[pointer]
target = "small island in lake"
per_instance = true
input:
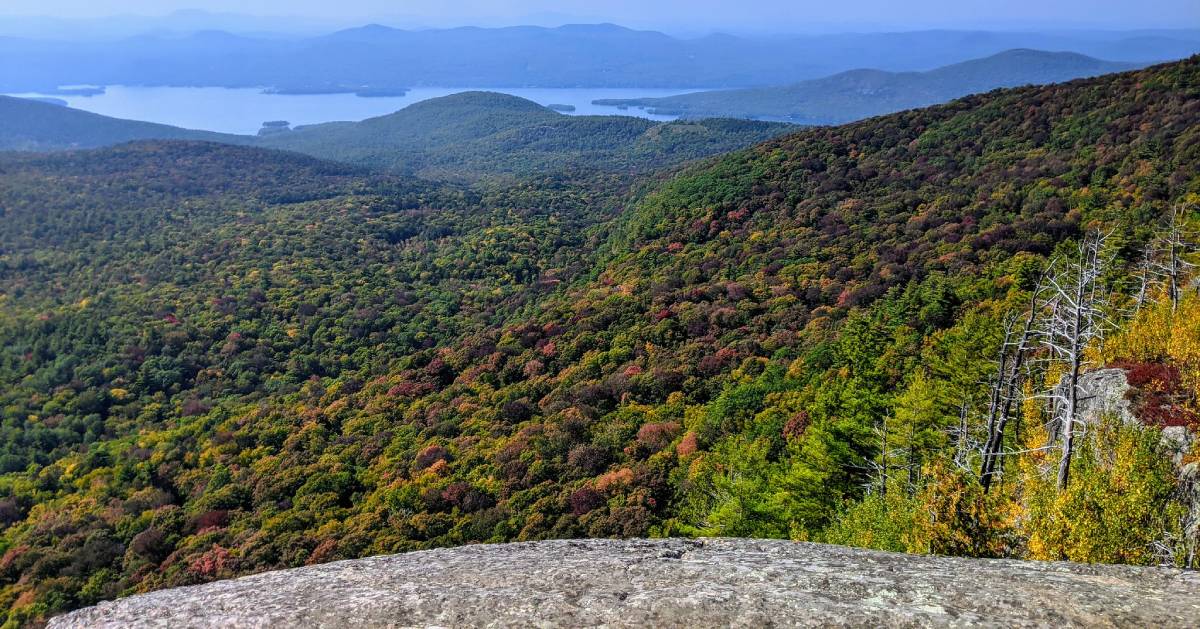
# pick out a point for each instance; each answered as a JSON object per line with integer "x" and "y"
{"x": 272, "y": 127}
{"x": 566, "y": 109}
{"x": 79, "y": 90}
{"x": 381, "y": 92}
{"x": 308, "y": 90}
{"x": 362, "y": 91}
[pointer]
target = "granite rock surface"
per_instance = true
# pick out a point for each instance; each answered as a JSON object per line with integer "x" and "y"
{"x": 668, "y": 583}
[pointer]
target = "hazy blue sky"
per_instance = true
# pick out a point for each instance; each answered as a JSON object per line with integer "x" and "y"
{"x": 714, "y": 14}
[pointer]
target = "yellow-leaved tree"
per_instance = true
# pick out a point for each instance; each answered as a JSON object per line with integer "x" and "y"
{"x": 1120, "y": 507}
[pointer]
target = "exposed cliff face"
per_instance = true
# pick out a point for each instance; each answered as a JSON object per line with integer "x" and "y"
{"x": 668, "y": 583}
{"x": 1105, "y": 392}
{"x": 1108, "y": 393}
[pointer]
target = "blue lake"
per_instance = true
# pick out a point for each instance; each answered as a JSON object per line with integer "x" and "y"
{"x": 244, "y": 110}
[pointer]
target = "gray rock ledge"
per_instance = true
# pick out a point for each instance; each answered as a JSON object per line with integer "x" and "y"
{"x": 668, "y": 583}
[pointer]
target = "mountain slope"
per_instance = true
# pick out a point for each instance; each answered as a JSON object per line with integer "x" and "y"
{"x": 29, "y": 125}
{"x": 477, "y": 133}
{"x": 229, "y": 383}
{"x": 860, "y": 94}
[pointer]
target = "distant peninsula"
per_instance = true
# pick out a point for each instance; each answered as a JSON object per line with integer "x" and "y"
{"x": 322, "y": 90}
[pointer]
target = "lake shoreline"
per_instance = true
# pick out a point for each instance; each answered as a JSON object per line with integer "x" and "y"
{"x": 243, "y": 110}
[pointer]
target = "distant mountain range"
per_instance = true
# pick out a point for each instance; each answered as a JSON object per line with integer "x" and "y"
{"x": 859, "y": 94}
{"x": 593, "y": 55}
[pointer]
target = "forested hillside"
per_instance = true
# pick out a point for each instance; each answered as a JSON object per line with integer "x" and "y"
{"x": 241, "y": 360}
{"x": 474, "y": 134}
{"x": 858, "y": 94}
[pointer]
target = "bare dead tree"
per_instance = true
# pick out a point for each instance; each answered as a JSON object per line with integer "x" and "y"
{"x": 1006, "y": 386}
{"x": 895, "y": 460}
{"x": 961, "y": 438}
{"x": 879, "y": 467}
{"x": 1146, "y": 278}
{"x": 1165, "y": 257}
{"x": 964, "y": 438}
{"x": 892, "y": 460}
{"x": 1073, "y": 318}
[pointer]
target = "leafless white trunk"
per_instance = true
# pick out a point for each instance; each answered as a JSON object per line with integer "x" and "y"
{"x": 1165, "y": 258}
{"x": 1073, "y": 318}
{"x": 1007, "y": 383}
{"x": 962, "y": 437}
{"x": 1146, "y": 278}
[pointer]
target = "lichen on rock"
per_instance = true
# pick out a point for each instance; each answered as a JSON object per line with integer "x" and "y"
{"x": 668, "y": 583}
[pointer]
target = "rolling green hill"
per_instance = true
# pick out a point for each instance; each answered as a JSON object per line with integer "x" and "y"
{"x": 282, "y": 361}
{"x": 859, "y": 94}
{"x": 30, "y": 125}
{"x": 478, "y": 133}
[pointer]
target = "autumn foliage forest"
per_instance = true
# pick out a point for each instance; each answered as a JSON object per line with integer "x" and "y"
{"x": 219, "y": 360}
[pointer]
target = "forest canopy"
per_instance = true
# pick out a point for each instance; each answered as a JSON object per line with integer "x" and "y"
{"x": 219, "y": 360}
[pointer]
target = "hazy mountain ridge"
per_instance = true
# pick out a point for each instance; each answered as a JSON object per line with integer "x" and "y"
{"x": 602, "y": 55}
{"x": 858, "y": 94}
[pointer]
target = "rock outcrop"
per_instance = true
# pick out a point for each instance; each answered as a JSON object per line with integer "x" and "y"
{"x": 1108, "y": 393}
{"x": 1105, "y": 392}
{"x": 668, "y": 583}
